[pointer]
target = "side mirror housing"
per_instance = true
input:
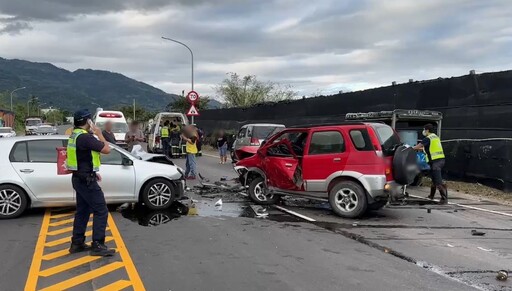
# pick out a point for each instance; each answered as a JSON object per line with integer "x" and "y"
{"x": 127, "y": 162}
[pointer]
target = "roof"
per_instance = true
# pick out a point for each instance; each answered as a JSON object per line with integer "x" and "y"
{"x": 34, "y": 137}
{"x": 328, "y": 124}
{"x": 264, "y": 124}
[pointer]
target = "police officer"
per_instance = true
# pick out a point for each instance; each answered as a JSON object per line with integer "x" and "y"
{"x": 164, "y": 136}
{"x": 431, "y": 144}
{"x": 83, "y": 158}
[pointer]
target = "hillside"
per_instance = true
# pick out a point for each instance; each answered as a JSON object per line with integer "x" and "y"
{"x": 79, "y": 89}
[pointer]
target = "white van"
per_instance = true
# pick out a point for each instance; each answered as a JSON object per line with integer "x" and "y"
{"x": 154, "y": 144}
{"x": 119, "y": 125}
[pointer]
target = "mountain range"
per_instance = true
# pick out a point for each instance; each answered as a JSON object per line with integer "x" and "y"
{"x": 67, "y": 90}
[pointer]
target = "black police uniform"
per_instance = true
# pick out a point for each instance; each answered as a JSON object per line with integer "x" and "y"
{"x": 89, "y": 197}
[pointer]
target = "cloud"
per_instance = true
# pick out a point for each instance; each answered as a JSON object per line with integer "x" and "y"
{"x": 317, "y": 46}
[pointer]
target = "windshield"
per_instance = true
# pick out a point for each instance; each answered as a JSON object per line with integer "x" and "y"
{"x": 5, "y": 130}
{"x": 33, "y": 122}
{"x": 124, "y": 152}
{"x": 387, "y": 137}
{"x": 116, "y": 127}
{"x": 262, "y": 132}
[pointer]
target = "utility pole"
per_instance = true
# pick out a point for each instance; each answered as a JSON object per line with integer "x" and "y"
{"x": 15, "y": 91}
{"x": 133, "y": 109}
{"x": 192, "y": 56}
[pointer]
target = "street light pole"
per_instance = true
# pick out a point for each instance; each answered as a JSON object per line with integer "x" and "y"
{"x": 21, "y": 88}
{"x": 192, "y": 56}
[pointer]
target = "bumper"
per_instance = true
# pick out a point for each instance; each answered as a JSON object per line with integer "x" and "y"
{"x": 180, "y": 187}
{"x": 386, "y": 190}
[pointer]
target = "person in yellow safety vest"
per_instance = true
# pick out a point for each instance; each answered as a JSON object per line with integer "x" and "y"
{"x": 83, "y": 159}
{"x": 190, "y": 137}
{"x": 431, "y": 144}
{"x": 164, "y": 137}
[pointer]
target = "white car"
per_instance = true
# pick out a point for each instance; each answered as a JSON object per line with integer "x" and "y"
{"x": 46, "y": 129}
{"x": 29, "y": 177}
{"x": 7, "y": 132}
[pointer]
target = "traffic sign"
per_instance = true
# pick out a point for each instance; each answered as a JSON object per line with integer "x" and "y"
{"x": 193, "y": 111}
{"x": 192, "y": 97}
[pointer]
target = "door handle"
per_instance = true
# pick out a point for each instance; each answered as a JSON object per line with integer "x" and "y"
{"x": 288, "y": 165}
{"x": 336, "y": 160}
{"x": 26, "y": 170}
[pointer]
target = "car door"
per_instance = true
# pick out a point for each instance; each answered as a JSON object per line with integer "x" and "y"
{"x": 325, "y": 157}
{"x": 281, "y": 164}
{"x": 35, "y": 162}
{"x": 118, "y": 180}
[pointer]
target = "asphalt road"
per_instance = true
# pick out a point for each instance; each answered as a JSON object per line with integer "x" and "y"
{"x": 230, "y": 248}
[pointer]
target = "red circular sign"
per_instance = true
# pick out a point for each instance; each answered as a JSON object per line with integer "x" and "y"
{"x": 192, "y": 97}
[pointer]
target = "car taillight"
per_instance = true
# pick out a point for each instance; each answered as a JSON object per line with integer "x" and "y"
{"x": 389, "y": 175}
{"x": 255, "y": 142}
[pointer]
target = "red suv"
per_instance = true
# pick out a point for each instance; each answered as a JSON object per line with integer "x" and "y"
{"x": 353, "y": 165}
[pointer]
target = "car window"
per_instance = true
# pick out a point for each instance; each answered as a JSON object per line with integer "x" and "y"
{"x": 114, "y": 158}
{"x": 387, "y": 137}
{"x": 361, "y": 140}
{"x": 241, "y": 133}
{"x": 262, "y": 132}
{"x": 43, "y": 151}
{"x": 326, "y": 142}
{"x": 19, "y": 153}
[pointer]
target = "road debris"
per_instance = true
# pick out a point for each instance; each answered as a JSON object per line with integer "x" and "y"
{"x": 219, "y": 202}
{"x": 477, "y": 233}
{"x": 502, "y": 275}
{"x": 485, "y": 250}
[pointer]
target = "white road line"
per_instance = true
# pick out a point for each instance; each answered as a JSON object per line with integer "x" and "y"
{"x": 211, "y": 156}
{"x": 295, "y": 213}
{"x": 470, "y": 207}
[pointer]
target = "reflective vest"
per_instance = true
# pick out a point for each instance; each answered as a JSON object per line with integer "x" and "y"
{"x": 72, "y": 161}
{"x": 435, "y": 148}
{"x": 164, "y": 132}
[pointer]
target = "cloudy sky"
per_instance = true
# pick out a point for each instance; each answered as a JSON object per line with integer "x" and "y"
{"x": 317, "y": 46}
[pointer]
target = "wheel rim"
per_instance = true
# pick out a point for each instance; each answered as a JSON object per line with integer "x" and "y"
{"x": 159, "y": 194}
{"x": 260, "y": 192}
{"x": 10, "y": 202}
{"x": 346, "y": 200}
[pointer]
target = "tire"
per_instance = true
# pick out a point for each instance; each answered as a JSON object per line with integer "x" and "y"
{"x": 405, "y": 165}
{"x": 158, "y": 194}
{"x": 13, "y": 201}
{"x": 257, "y": 193}
{"x": 348, "y": 199}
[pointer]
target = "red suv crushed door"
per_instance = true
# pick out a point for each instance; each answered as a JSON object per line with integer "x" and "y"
{"x": 282, "y": 171}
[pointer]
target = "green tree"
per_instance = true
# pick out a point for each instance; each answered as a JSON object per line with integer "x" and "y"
{"x": 248, "y": 91}
{"x": 181, "y": 104}
{"x": 54, "y": 116}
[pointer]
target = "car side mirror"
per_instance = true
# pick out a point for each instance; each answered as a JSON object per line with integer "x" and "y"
{"x": 127, "y": 162}
{"x": 263, "y": 143}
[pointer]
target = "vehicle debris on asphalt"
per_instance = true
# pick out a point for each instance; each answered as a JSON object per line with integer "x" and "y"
{"x": 477, "y": 233}
{"x": 502, "y": 275}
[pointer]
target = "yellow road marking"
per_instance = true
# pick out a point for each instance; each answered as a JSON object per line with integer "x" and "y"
{"x": 57, "y": 216}
{"x": 119, "y": 285}
{"x": 65, "y": 252}
{"x": 62, "y": 222}
{"x": 66, "y": 266}
{"x": 85, "y": 277}
{"x": 38, "y": 253}
{"x": 64, "y": 230}
{"x": 64, "y": 240}
{"x": 130, "y": 267}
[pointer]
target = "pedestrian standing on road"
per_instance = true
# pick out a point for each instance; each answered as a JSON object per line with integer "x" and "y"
{"x": 83, "y": 159}
{"x": 190, "y": 137}
{"x": 431, "y": 144}
{"x": 108, "y": 134}
{"x": 164, "y": 137}
{"x": 134, "y": 136}
{"x": 222, "y": 145}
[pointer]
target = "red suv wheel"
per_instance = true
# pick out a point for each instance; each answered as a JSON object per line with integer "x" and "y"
{"x": 348, "y": 199}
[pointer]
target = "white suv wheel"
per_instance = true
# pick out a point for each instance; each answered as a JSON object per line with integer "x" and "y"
{"x": 346, "y": 199}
